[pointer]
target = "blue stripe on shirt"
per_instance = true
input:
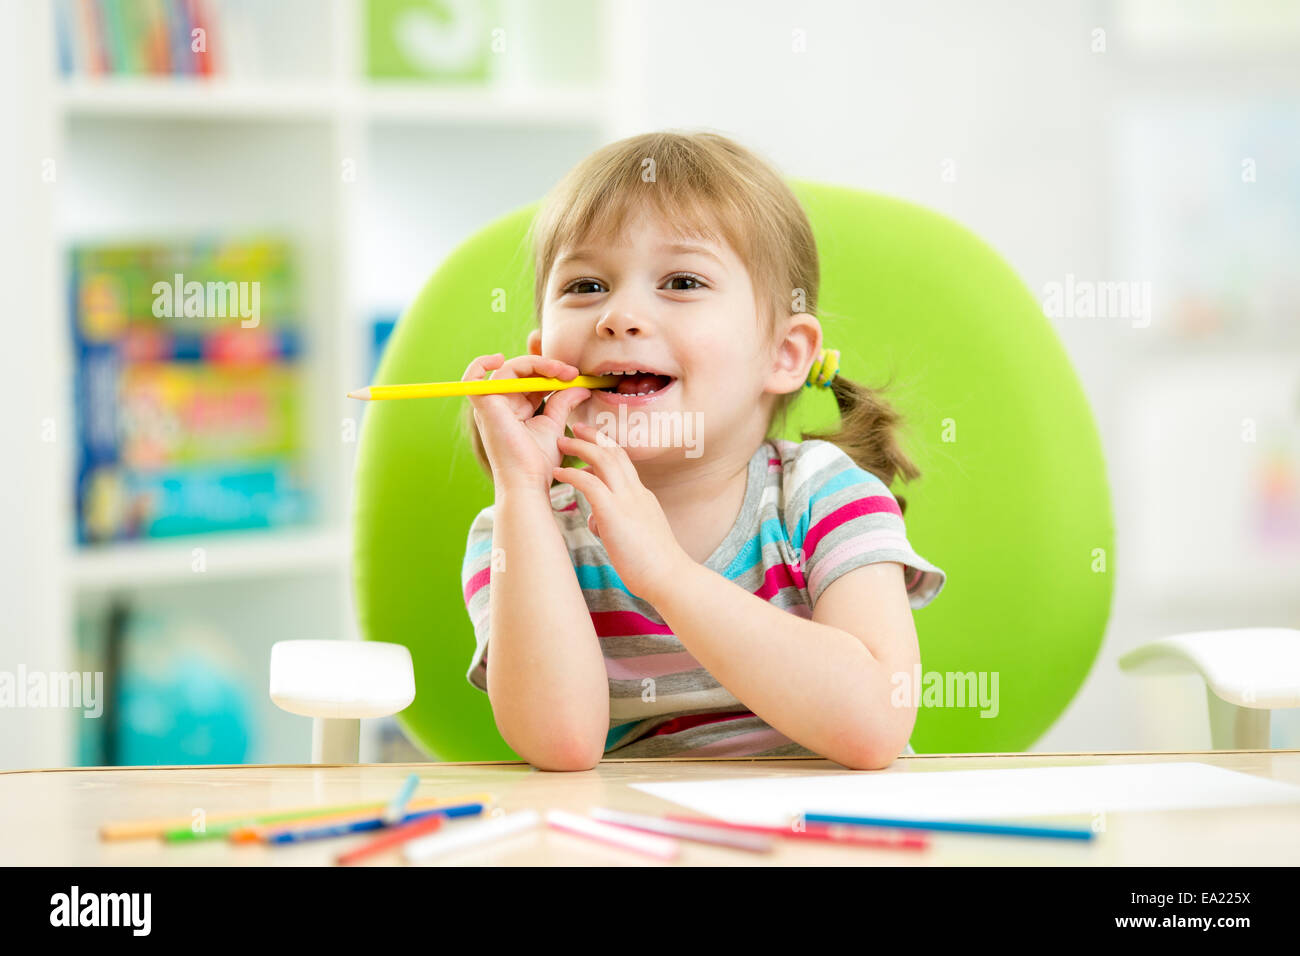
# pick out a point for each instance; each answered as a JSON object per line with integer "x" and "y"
{"x": 617, "y": 733}
{"x": 478, "y": 547}
{"x": 597, "y": 577}
{"x": 847, "y": 478}
{"x": 769, "y": 532}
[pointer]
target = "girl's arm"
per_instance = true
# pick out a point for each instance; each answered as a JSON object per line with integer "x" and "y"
{"x": 827, "y": 683}
{"x": 546, "y": 677}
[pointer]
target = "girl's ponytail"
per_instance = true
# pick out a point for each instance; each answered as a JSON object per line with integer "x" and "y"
{"x": 868, "y": 433}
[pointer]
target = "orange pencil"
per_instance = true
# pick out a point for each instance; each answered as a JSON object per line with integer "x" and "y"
{"x": 395, "y": 836}
{"x": 258, "y": 832}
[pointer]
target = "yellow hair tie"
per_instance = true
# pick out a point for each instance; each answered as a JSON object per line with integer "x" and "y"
{"x": 824, "y": 370}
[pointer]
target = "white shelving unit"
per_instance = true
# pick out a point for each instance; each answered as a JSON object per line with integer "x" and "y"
{"x": 372, "y": 183}
{"x": 1177, "y": 403}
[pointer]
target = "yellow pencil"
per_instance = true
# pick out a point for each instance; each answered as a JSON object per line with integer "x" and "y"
{"x": 140, "y": 829}
{"x": 257, "y": 832}
{"x": 487, "y": 386}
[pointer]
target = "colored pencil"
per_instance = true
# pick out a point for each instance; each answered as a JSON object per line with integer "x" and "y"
{"x": 955, "y": 826}
{"x": 284, "y": 818}
{"x": 485, "y": 386}
{"x": 397, "y": 809}
{"x": 700, "y": 833}
{"x": 665, "y": 848}
{"x": 470, "y": 834}
{"x": 306, "y": 834}
{"x": 824, "y": 832}
{"x": 392, "y": 839}
{"x": 157, "y": 827}
{"x": 257, "y": 832}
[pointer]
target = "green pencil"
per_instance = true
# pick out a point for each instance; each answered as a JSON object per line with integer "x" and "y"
{"x": 222, "y": 829}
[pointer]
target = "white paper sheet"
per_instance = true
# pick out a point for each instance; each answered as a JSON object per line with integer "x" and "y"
{"x": 977, "y": 794}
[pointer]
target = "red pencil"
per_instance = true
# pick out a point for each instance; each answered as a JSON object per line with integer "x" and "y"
{"x": 394, "y": 836}
{"x": 819, "y": 831}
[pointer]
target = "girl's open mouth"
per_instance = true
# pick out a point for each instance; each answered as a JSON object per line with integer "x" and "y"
{"x": 636, "y": 388}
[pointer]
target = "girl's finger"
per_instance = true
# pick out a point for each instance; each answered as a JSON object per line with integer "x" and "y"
{"x": 598, "y": 457}
{"x": 523, "y": 366}
{"x": 486, "y": 405}
{"x": 506, "y": 409}
{"x": 618, "y": 454}
{"x": 522, "y": 405}
{"x": 478, "y": 368}
{"x": 562, "y": 403}
{"x": 563, "y": 371}
{"x": 592, "y": 488}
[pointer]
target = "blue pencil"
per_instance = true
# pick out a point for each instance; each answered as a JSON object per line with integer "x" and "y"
{"x": 397, "y": 809}
{"x": 370, "y": 823}
{"x": 999, "y": 829}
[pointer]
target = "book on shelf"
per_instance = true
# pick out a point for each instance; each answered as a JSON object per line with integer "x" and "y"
{"x": 381, "y": 330}
{"x": 169, "y": 687}
{"x": 189, "y": 389}
{"x": 152, "y": 37}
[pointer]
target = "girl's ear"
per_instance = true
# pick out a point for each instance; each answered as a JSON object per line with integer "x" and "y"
{"x": 796, "y": 351}
{"x": 535, "y": 342}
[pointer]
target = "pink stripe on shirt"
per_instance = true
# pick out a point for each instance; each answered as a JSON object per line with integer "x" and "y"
{"x": 650, "y": 665}
{"x": 476, "y": 581}
{"x": 624, "y": 623}
{"x": 887, "y": 539}
{"x": 775, "y": 578}
{"x": 876, "y": 504}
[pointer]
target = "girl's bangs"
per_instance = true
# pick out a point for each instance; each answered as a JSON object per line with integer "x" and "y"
{"x": 606, "y": 215}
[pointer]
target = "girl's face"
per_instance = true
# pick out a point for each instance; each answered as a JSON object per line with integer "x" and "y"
{"x": 681, "y": 307}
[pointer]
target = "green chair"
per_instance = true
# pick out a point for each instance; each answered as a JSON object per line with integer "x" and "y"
{"x": 1013, "y": 501}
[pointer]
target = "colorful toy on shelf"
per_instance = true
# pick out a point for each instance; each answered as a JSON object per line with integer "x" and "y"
{"x": 436, "y": 41}
{"x": 189, "y": 385}
{"x": 175, "y": 691}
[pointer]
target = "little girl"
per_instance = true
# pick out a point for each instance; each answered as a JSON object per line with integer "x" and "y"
{"x": 744, "y": 595}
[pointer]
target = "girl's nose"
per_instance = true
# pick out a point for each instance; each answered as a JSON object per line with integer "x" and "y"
{"x": 620, "y": 322}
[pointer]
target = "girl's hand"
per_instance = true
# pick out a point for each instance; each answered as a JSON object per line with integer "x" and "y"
{"x": 625, "y": 515}
{"x": 519, "y": 443}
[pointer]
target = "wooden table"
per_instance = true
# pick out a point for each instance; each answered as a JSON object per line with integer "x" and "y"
{"x": 52, "y": 817}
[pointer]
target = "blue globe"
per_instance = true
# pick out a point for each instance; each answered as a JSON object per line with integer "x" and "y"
{"x": 181, "y": 698}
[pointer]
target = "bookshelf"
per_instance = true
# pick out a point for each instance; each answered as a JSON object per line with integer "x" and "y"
{"x": 1211, "y": 417}
{"x": 373, "y": 181}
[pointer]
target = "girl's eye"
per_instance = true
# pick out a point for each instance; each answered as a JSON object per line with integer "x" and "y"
{"x": 576, "y": 285}
{"x": 573, "y": 286}
{"x": 687, "y": 277}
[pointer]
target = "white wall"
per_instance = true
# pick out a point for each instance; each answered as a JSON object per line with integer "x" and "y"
{"x": 31, "y": 608}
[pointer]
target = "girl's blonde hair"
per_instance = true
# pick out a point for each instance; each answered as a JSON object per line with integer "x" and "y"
{"x": 706, "y": 184}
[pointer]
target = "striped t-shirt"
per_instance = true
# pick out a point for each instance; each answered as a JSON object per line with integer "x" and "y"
{"x": 804, "y": 500}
